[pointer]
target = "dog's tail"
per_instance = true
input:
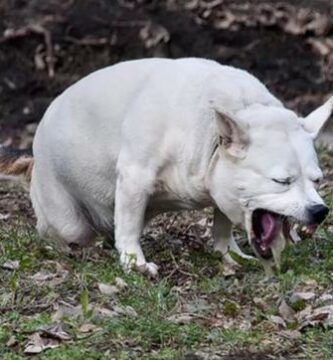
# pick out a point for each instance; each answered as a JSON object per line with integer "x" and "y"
{"x": 16, "y": 162}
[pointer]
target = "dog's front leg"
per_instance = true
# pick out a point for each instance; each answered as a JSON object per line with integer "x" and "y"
{"x": 130, "y": 205}
{"x": 223, "y": 238}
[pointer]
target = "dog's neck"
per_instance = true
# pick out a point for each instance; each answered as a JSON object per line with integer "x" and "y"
{"x": 227, "y": 202}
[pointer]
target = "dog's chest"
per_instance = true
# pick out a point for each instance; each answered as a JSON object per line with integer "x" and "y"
{"x": 175, "y": 192}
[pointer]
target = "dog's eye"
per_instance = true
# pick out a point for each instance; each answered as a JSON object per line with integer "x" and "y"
{"x": 286, "y": 181}
{"x": 317, "y": 181}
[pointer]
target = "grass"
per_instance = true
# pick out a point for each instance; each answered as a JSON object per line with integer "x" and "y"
{"x": 191, "y": 312}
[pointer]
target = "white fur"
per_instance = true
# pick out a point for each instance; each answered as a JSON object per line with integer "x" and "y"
{"x": 135, "y": 139}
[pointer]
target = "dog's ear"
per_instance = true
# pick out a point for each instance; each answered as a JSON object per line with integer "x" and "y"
{"x": 232, "y": 136}
{"x": 314, "y": 122}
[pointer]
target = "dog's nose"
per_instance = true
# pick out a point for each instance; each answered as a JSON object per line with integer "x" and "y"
{"x": 317, "y": 213}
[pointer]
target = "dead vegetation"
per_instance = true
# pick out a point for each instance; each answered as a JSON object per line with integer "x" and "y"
{"x": 58, "y": 307}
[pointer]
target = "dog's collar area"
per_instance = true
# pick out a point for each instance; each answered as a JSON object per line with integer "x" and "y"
{"x": 216, "y": 146}
{"x": 224, "y": 141}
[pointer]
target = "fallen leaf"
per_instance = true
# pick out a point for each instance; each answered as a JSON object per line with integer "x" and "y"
{"x": 11, "y": 265}
{"x": 320, "y": 46}
{"x": 300, "y": 316}
{"x": 4, "y": 216}
{"x": 125, "y": 310}
{"x": 305, "y": 296}
{"x": 320, "y": 316}
{"x": 181, "y": 318}
{"x": 261, "y": 304}
{"x": 41, "y": 276}
{"x": 66, "y": 310}
{"x": 311, "y": 283}
{"x": 37, "y": 344}
{"x": 278, "y": 321}
{"x": 116, "y": 311}
{"x": 12, "y": 341}
{"x": 245, "y": 325}
{"x": 229, "y": 269}
{"x": 290, "y": 334}
{"x": 55, "y": 331}
{"x": 106, "y": 289}
{"x": 104, "y": 312}
{"x": 86, "y": 328}
{"x": 286, "y": 312}
{"x": 52, "y": 278}
{"x": 325, "y": 298}
{"x": 153, "y": 34}
{"x": 120, "y": 283}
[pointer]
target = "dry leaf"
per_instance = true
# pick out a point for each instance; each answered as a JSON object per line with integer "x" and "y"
{"x": 41, "y": 276}
{"x": 290, "y": 334}
{"x": 225, "y": 21}
{"x": 120, "y": 283}
{"x": 104, "y": 312}
{"x": 181, "y": 318}
{"x": 11, "y": 265}
{"x": 300, "y": 316}
{"x": 86, "y": 328}
{"x": 67, "y": 310}
{"x": 106, "y": 289}
{"x": 320, "y": 46}
{"x": 153, "y": 34}
{"x": 125, "y": 310}
{"x": 53, "y": 278}
{"x": 116, "y": 311}
{"x": 12, "y": 341}
{"x": 229, "y": 269}
{"x": 286, "y": 312}
{"x": 261, "y": 304}
{"x": 278, "y": 321}
{"x": 38, "y": 344}
{"x": 55, "y": 331}
{"x": 325, "y": 298}
{"x": 305, "y": 296}
{"x": 320, "y": 316}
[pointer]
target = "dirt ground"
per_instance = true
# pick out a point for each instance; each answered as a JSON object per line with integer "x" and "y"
{"x": 46, "y": 45}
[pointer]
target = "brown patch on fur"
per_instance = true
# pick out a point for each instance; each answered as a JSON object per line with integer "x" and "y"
{"x": 16, "y": 162}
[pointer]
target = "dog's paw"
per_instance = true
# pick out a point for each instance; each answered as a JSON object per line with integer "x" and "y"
{"x": 149, "y": 268}
{"x": 129, "y": 262}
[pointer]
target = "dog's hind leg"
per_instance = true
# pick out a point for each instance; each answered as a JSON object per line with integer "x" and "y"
{"x": 223, "y": 238}
{"x": 59, "y": 217}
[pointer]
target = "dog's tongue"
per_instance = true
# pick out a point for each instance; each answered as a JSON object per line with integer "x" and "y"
{"x": 268, "y": 223}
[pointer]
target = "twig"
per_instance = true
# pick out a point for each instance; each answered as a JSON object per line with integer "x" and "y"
{"x": 88, "y": 41}
{"x": 11, "y": 34}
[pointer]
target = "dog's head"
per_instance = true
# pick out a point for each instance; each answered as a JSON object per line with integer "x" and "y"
{"x": 265, "y": 172}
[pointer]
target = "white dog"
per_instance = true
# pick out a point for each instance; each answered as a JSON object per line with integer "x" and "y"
{"x": 148, "y": 136}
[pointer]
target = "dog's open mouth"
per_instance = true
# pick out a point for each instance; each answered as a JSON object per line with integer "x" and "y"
{"x": 266, "y": 225}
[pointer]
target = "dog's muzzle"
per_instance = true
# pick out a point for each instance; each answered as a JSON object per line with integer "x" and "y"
{"x": 266, "y": 226}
